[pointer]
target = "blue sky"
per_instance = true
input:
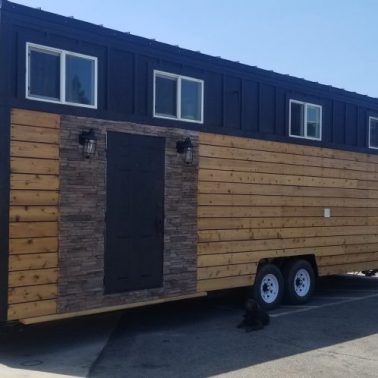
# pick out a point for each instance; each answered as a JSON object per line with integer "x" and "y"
{"x": 332, "y": 42}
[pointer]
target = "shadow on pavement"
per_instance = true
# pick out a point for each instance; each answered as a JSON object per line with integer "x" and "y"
{"x": 66, "y": 348}
{"x": 196, "y": 338}
{"x": 200, "y": 339}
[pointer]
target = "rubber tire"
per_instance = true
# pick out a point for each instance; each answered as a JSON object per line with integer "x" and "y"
{"x": 264, "y": 271}
{"x": 289, "y": 272}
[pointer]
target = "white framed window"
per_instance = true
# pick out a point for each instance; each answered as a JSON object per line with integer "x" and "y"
{"x": 178, "y": 97}
{"x": 59, "y": 76}
{"x": 305, "y": 120}
{"x": 373, "y": 132}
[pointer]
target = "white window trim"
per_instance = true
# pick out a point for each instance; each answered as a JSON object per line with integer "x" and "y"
{"x": 62, "y": 54}
{"x": 370, "y": 119}
{"x": 179, "y": 78}
{"x": 305, "y": 120}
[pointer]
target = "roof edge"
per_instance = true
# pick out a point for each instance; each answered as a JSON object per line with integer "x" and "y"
{"x": 147, "y": 42}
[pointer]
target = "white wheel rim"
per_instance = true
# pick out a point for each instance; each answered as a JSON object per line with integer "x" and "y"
{"x": 302, "y": 282}
{"x": 269, "y": 288}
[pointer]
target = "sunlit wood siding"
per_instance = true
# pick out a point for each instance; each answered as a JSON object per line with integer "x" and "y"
{"x": 33, "y": 227}
{"x": 262, "y": 199}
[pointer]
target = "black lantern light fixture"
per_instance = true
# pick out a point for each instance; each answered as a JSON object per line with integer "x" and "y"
{"x": 88, "y": 140}
{"x": 186, "y": 149}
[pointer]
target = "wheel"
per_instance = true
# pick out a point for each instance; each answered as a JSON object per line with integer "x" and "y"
{"x": 268, "y": 287}
{"x": 299, "y": 280}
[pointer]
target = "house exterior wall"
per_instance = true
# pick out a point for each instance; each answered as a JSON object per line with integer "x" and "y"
{"x": 243, "y": 200}
{"x": 82, "y": 205}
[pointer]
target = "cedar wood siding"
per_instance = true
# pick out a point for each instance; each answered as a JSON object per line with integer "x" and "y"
{"x": 260, "y": 199}
{"x": 33, "y": 214}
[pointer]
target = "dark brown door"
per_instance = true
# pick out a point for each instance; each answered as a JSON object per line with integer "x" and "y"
{"x": 135, "y": 212}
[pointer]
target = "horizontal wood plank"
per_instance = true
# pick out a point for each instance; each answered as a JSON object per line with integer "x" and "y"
{"x": 32, "y": 277}
{"x": 267, "y": 212}
{"x": 33, "y": 229}
{"x": 283, "y": 233}
{"x": 33, "y": 245}
{"x": 209, "y": 187}
{"x": 32, "y": 309}
{"x": 33, "y": 261}
{"x": 287, "y": 201}
{"x": 33, "y": 118}
{"x": 34, "y": 182}
{"x": 34, "y": 134}
{"x": 225, "y": 283}
{"x": 34, "y": 150}
{"x": 283, "y": 222}
{"x": 32, "y": 293}
{"x": 37, "y": 166}
{"x": 272, "y": 179}
{"x": 34, "y": 197}
{"x": 33, "y": 213}
{"x": 226, "y": 271}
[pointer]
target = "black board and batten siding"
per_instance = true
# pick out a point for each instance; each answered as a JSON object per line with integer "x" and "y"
{"x": 239, "y": 100}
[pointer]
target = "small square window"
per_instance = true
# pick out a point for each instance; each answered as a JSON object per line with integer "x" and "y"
{"x": 178, "y": 97}
{"x": 373, "y": 132}
{"x": 60, "y": 76}
{"x": 305, "y": 120}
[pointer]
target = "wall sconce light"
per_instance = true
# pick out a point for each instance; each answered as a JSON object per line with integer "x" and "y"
{"x": 88, "y": 140}
{"x": 186, "y": 148}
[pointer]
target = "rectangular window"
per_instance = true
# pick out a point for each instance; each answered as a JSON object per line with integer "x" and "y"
{"x": 373, "y": 132}
{"x": 44, "y": 79}
{"x": 305, "y": 120}
{"x": 61, "y": 76}
{"x": 166, "y": 96}
{"x": 178, "y": 97}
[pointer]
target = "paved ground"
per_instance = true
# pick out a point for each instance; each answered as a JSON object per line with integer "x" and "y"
{"x": 62, "y": 349}
{"x": 335, "y": 335}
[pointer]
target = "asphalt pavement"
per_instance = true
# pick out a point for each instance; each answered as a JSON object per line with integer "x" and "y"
{"x": 334, "y": 335}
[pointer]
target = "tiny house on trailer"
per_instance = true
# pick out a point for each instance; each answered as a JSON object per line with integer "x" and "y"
{"x": 133, "y": 172}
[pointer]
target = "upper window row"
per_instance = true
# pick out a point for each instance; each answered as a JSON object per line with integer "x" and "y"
{"x": 65, "y": 77}
{"x": 60, "y": 76}
{"x": 305, "y": 121}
